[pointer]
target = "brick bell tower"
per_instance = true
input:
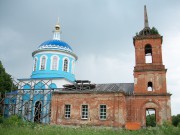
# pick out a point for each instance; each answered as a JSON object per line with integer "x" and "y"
{"x": 149, "y": 71}
{"x": 150, "y": 93}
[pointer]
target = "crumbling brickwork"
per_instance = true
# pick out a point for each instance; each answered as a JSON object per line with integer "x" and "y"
{"x": 115, "y": 114}
{"x": 139, "y": 103}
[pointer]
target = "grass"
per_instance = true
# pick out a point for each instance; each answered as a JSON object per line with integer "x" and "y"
{"x": 15, "y": 126}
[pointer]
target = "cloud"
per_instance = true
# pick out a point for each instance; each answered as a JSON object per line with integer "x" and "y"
{"x": 171, "y": 59}
{"x": 100, "y": 33}
{"x": 105, "y": 68}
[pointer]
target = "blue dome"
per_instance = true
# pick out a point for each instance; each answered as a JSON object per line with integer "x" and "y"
{"x": 55, "y": 45}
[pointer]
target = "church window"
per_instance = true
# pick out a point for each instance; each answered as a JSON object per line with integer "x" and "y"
{"x": 67, "y": 111}
{"x": 84, "y": 112}
{"x": 43, "y": 63}
{"x": 148, "y": 53}
{"x": 150, "y": 86}
{"x": 54, "y": 65}
{"x": 26, "y": 108}
{"x": 102, "y": 112}
{"x": 35, "y": 64}
{"x": 72, "y": 69}
{"x": 65, "y": 66}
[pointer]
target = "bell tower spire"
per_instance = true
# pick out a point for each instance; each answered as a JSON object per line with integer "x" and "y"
{"x": 146, "y": 24}
{"x": 56, "y": 35}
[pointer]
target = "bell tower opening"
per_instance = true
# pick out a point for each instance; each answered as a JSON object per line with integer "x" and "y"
{"x": 148, "y": 53}
{"x": 150, "y": 86}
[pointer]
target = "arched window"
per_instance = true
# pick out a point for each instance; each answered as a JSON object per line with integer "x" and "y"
{"x": 72, "y": 68}
{"x": 52, "y": 86}
{"x": 150, "y": 86}
{"x": 39, "y": 86}
{"x": 26, "y": 87}
{"x": 148, "y": 54}
{"x": 65, "y": 66}
{"x": 54, "y": 64}
{"x": 43, "y": 63}
{"x": 35, "y": 64}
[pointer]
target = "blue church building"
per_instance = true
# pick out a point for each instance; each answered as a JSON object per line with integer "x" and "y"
{"x": 53, "y": 66}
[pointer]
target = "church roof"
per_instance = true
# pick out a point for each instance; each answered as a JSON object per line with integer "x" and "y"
{"x": 55, "y": 45}
{"x": 115, "y": 87}
{"x": 126, "y": 88}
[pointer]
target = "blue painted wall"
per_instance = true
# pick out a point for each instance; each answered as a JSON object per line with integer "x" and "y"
{"x": 48, "y": 73}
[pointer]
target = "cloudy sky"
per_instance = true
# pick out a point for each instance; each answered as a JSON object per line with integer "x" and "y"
{"x": 99, "y": 31}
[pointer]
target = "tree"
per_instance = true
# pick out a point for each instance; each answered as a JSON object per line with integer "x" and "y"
{"x": 176, "y": 120}
{"x": 154, "y": 31}
{"x": 6, "y": 84}
{"x": 151, "y": 120}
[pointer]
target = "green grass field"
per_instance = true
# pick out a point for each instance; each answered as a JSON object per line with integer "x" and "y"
{"x": 16, "y": 126}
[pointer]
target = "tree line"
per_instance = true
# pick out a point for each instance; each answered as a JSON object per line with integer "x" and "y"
{"x": 6, "y": 83}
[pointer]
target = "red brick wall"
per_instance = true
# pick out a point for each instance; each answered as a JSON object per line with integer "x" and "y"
{"x": 156, "y": 50}
{"x": 154, "y": 72}
{"x": 115, "y": 102}
{"x": 137, "y": 105}
{"x": 158, "y": 78}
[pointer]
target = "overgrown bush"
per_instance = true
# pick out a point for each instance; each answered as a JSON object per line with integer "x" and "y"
{"x": 151, "y": 120}
{"x": 16, "y": 121}
{"x": 154, "y": 31}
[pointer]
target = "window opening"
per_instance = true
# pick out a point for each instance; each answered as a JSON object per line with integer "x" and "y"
{"x": 150, "y": 86}
{"x": 84, "y": 114}
{"x": 102, "y": 112}
{"x": 43, "y": 63}
{"x": 37, "y": 112}
{"x": 150, "y": 117}
{"x": 148, "y": 54}
{"x": 26, "y": 108}
{"x": 65, "y": 65}
{"x": 67, "y": 111}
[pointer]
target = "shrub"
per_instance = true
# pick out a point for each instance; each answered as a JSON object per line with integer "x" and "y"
{"x": 154, "y": 31}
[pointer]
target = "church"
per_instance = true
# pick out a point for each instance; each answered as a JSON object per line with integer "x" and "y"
{"x": 120, "y": 104}
{"x": 53, "y": 95}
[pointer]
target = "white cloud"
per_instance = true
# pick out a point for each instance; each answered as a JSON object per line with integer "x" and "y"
{"x": 171, "y": 53}
{"x": 105, "y": 68}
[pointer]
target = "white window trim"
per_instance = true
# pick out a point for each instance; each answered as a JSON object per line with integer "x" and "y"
{"x": 41, "y": 61}
{"x": 66, "y": 111}
{"x": 52, "y": 62}
{"x": 100, "y": 112}
{"x": 67, "y": 65}
{"x": 87, "y": 112}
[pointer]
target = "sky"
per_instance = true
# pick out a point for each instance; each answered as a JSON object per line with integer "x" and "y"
{"x": 99, "y": 31}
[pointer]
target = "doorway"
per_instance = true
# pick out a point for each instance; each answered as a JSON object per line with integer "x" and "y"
{"x": 150, "y": 117}
{"x": 37, "y": 112}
